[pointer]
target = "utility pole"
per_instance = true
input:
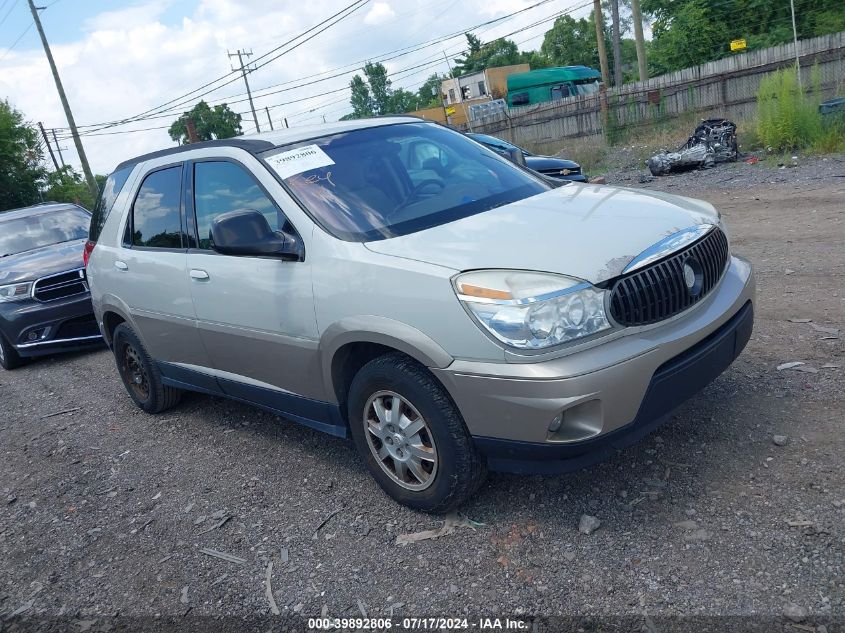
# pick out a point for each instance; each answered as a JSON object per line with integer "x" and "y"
{"x": 638, "y": 38}
{"x": 58, "y": 147}
{"x": 460, "y": 94}
{"x": 240, "y": 55}
{"x": 794, "y": 42}
{"x": 267, "y": 110}
{"x": 617, "y": 48}
{"x": 89, "y": 177}
{"x": 49, "y": 149}
{"x": 605, "y": 72}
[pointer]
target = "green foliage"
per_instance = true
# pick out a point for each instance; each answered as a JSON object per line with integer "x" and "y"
{"x": 788, "y": 117}
{"x": 697, "y": 31}
{"x": 68, "y": 185}
{"x": 21, "y": 172}
{"x": 500, "y": 52}
{"x": 210, "y": 123}
{"x": 373, "y": 94}
{"x": 572, "y": 42}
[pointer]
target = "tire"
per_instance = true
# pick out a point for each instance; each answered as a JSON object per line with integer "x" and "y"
{"x": 452, "y": 469}
{"x": 9, "y": 357}
{"x": 140, "y": 374}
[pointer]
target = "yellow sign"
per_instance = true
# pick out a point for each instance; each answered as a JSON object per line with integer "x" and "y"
{"x": 450, "y": 111}
{"x": 738, "y": 45}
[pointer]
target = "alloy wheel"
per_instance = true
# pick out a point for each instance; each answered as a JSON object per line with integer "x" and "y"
{"x": 400, "y": 440}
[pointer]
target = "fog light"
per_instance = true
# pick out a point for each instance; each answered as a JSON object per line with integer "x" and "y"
{"x": 32, "y": 335}
{"x": 554, "y": 425}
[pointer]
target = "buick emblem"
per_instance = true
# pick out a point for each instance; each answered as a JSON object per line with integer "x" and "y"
{"x": 693, "y": 276}
{"x": 689, "y": 276}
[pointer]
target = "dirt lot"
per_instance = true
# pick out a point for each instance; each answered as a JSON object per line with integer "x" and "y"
{"x": 105, "y": 510}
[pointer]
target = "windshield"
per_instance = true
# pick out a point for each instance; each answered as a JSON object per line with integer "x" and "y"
{"x": 42, "y": 229}
{"x": 382, "y": 182}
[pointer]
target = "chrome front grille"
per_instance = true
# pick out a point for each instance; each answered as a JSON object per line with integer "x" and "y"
{"x": 667, "y": 287}
{"x": 60, "y": 286}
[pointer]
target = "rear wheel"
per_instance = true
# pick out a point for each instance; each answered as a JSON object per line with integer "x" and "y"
{"x": 412, "y": 436}
{"x": 140, "y": 374}
{"x": 9, "y": 357}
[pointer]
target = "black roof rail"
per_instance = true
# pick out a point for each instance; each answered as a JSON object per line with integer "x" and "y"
{"x": 253, "y": 146}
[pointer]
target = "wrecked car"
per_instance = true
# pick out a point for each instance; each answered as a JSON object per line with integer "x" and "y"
{"x": 450, "y": 320}
{"x": 714, "y": 141}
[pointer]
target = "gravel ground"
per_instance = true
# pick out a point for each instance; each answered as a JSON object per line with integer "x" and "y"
{"x": 105, "y": 510}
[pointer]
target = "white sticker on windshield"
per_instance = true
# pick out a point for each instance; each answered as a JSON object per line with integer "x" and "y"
{"x": 299, "y": 160}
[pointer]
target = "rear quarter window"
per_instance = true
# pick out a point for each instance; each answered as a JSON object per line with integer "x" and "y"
{"x": 111, "y": 189}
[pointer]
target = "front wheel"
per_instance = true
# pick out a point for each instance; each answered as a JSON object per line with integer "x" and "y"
{"x": 412, "y": 436}
{"x": 9, "y": 357}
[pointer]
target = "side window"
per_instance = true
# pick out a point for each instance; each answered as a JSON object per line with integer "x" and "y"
{"x": 156, "y": 218}
{"x": 105, "y": 202}
{"x": 222, "y": 186}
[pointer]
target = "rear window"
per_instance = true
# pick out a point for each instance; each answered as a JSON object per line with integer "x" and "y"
{"x": 156, "y": 213}
{"x": 43, "y": 229}
{"x": 105, "y": 202}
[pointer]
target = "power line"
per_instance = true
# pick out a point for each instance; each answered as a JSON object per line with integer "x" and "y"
{"x": 343, "y": 13}
{"x": 15, "y": 43}
{"x": 3, "y": 19}
{"x": 400, "y": 52}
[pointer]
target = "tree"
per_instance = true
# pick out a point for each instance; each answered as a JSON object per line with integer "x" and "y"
{"x": 362, "y": 105}
{"x": 428, "y": 95}
{"x": 500, "y": 52}
{"x": 571, "y": 42}
{"x": 21, "y": 172}
{"x": 697, "y": 31}
{"x": 380, "y": 90}
{"x": 68, "y": 185}
{"x": 210, "y": 123}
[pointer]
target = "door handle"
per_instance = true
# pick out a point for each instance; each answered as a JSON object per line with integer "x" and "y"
{"x": 199, "y": 275}
{"x": 121, "y": 265}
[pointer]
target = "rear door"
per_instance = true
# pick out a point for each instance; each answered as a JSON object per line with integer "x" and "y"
{"x": 255, "y": 314}
{"x": 151, "y": 264}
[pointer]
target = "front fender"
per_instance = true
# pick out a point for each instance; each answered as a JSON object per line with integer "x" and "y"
{"x": 382, "y": 331}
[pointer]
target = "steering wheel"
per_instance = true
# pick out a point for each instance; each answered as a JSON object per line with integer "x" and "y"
{"x": 416, "y": 191}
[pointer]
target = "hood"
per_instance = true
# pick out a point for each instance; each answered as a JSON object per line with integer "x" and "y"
{"x": 539, "y": 163}
{"x": 47, "y": 260}
{"x": 586, "y": 231}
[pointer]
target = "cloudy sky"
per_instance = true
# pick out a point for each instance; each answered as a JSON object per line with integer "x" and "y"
{"x": 121, "y": 58}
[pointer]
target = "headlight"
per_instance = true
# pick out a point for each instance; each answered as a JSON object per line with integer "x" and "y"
{"x": 15, "y": 292}
{"x": 532, "y": 310}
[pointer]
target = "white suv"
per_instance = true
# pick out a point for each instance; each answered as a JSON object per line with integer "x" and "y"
{"x": 396, "y": 281}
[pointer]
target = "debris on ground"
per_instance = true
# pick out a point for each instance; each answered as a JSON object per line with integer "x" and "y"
{"x": 323, "y": 523}
{"x": 795, "y": 612}
{"x": 219, "y": 524}
{"x": 223, "y": 555}
{"x": 453, "y": 522}
{"x": 780, "y": 440}
{"x": 798, "y": 365}
{"x": 53, "y": 415}
{"x": 714, "y": 141}
{"x": 597, "y": 180}
{"x": 588, "y": 524}
{"x": 268, "y": 590}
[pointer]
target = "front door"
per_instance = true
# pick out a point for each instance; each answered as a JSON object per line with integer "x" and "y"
{"x": 255, "y": 314}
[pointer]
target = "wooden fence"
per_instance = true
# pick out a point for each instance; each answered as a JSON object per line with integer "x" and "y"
{"x": 723, "y": 88}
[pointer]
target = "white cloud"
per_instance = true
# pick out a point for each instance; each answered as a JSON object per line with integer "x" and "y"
{"x": 126, "y": 61}
{"x": 379, "y": 13}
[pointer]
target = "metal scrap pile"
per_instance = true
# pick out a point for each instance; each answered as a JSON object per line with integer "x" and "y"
{"x": 714, "y": 141}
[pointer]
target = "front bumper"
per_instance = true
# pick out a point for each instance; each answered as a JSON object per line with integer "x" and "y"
{"x": 610, "y": 395}
{"x": 36, "y": 329}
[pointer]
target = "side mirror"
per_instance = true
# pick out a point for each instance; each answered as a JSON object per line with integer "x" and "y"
{"x": 247, "y": 232}
{"x": 516, "y": 156}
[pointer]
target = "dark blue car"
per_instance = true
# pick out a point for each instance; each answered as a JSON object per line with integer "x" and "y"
{"x": 558, "y": 168}
{"x": 45, "y": 305}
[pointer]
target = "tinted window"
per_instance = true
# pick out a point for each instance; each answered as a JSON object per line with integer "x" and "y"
{"x": 42, "y": 229}
{"x": 380, "y": 182}
{"x": 156, "y": 220}
{"x": 224, "y": 186}
{"x": 105, "y": 202}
